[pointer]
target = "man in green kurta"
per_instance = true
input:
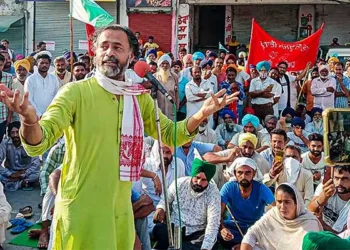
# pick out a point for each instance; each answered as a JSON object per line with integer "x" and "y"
{"x": 93, "y": 208}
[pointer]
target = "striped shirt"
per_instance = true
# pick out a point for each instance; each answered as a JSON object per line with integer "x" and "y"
{"x": 6, "y": 79}
{"x": 342, "y": 101}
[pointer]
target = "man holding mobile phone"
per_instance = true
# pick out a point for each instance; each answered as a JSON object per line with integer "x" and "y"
{"x": 332, "y": 200}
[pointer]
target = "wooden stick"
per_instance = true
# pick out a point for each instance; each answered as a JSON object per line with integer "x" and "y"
{"x": 302, "y": 87}
{"x": 234, "y": 220}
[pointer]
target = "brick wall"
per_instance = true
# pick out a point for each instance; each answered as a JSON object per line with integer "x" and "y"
{"x": 157, "y": 25}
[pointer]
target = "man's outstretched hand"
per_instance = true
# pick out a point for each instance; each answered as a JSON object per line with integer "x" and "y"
{"x": 217, "y": 101}
{"x": 18, "y": 103}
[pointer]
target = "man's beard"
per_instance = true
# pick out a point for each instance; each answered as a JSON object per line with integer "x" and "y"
{"x": 60, "y": 71}
{"x": 245, "y": 183}
{"x": 341, "y": 189}
{"x": 198, "y": 188}
{"x": 229, "y": 127}
{"x": 79, "y": 77}
{"x": 7, "y": 65}
{"x": 43, "y": 69}
{"x": 318, "y": 123}
{"x": 167, "y": 161}
{"x": 269, "y": 129}
{"x": 164, "y": 74}
{"x": 16, "y": 141}
{"x": 21, "y": 78}
{"x": 316, "y": 153}
{"x": 247, "y": 155}
{"x": 113, "y": 72}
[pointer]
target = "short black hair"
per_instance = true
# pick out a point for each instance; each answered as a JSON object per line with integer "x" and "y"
{"x": 137, "y": 32}
{"x": 283, "y": 62}
{"x": 151, "y": 37}
{"x": 340, "y": 169}
{"x": 2, "y": 58}
{"x": 293, "y": 147}
{"x": 43, "y": 56}
{"x": 40, "y": 44}
{"x": 315, "y": 137}
{"x": 3, "y": 48}
{"x": 85, "y": 57}
{"x": 79, "y": 64}
{"x": 278, "y": 131}
{"x": 231, "y": 69}
{"x": 133, "y": 42}
{"x": 287, "y": 189}
{"x": 339, "y": 64}
{"x": 153, "y": 63}
{"x": 193, "y": 67}
{"x": 5, "y": 40}
{"x": 183, "y": 50}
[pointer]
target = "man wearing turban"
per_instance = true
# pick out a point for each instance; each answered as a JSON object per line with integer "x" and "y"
{"x": 151, "y": 56}
{"x": 245, "y": 200}
{"x": 316, "y": 125}
{"x": 201, "y": 218}
{"x": 169, "y": 80}
{"x": 226, "y": 130}
{"x": 323, "y": 88}
{"x": 197, "y": 58}
{"x": 299, "y": 136}
{"x": 250, "y": 124}
{"x": 264, "y": 91}
{"x": 21, "y": 170}
{"x": 22, "y": 68}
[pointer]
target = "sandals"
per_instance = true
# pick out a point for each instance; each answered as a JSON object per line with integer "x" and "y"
{"x": 21, "y": 228}
{"x": 27, "y": 212}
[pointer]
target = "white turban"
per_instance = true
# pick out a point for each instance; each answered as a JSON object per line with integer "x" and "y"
{"x": 163, "y": 58}
{"x": 322, "y": 67}
{"x": 243, "y": 161}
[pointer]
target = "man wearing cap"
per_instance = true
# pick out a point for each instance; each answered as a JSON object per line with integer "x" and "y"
{"x": 42, "y": 86}
{"x": 200, "y": 209}
{"x": 22, "y": 68}
{"x": 250, "y": 124}
{"x": 316, "y": 125}
{"x": 323, "y": 88}
{"x": 244, "y": 199}
{"x": 226, "y": 131}
{"x": 19, "y": 170}
{"x": 298, "y": 136}
{"x": 169, "y": 80}
{"x": 270, "y": 123}
{"x": 265, "y": 91}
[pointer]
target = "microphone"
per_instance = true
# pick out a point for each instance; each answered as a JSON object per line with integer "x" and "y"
{"x": 142, "y": 69}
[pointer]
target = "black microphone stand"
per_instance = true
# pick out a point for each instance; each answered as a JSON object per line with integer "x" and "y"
{"x": 154, "y": 92}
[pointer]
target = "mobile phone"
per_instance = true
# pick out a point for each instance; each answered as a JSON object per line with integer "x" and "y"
{"x": 327, "y": 174}
{"x": 279, "y": 156}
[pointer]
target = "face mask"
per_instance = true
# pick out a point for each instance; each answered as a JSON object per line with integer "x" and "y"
{"x": 263, "y": 75}
{"x": 292, "y": 167}
{"x": 202, "y": 128}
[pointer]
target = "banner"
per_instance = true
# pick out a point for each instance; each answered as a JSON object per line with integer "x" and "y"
{"x": 90, "y": 31}
{"x": 264, "y": 47}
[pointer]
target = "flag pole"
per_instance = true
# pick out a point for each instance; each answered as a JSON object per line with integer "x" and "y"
{"x": 71, "y": 36}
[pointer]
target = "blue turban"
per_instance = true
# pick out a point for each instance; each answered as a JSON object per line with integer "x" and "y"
{"x": 297, "y": 121}
{"x": 316, "y": 110}
{"x": 228, "y": 112}
{"x": 289, "y": 111}
{"x": 212, "y": 54}
{"x": 205, "y": 63}
{"x": 248, "y": 118}
{"x": 66, "y": 55}
{"x": 151, "y": 51}
{"x": 198, "y": 55}
{"x": 264, "y": 64}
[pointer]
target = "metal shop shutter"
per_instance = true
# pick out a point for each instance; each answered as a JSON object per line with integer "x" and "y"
{"x": 280, "y": 21}
{"x": 157, "y": 25}
{"x": 52, "y": 24}
{"x": 337, "y": 22}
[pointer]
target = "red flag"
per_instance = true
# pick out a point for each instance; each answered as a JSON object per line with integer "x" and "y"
{"x": 90, "y": 30}
{"x": 264, "y": 47}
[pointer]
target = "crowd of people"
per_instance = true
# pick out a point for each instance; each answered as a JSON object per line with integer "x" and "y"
{"x": 252, "y": 178}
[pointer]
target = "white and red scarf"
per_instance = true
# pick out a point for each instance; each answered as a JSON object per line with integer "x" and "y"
{"x": 132, "y": 155}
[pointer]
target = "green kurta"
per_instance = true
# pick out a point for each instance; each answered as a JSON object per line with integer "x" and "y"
{"x": 93, "y": 207}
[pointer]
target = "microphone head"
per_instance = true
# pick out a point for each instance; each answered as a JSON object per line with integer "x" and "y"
{"x": 141, "y": 68}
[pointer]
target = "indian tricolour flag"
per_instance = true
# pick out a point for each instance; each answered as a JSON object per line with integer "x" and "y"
{"x": 90, "y": 13}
